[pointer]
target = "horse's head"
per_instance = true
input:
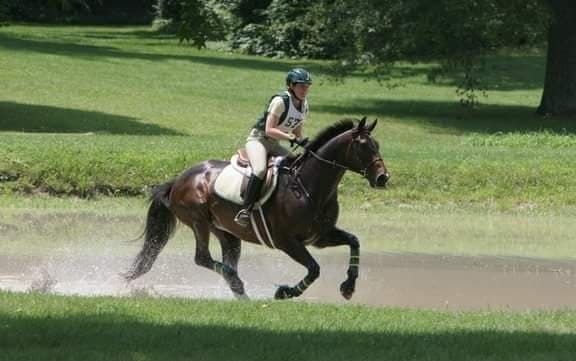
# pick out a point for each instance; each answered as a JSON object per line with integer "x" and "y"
{"x": 364, "y": 155}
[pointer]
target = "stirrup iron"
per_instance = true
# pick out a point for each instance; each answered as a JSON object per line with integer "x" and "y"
{"x": 243, "y": 217}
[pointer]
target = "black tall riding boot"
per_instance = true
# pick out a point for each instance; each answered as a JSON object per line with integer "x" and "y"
{"x": 251, "y": 195}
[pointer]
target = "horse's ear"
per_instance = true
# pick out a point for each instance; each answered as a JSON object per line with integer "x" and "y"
{"x": 372, "y": 126}
{"x": 362, "y": 123}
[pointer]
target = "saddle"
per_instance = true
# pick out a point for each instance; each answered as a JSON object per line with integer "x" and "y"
{"x": 232, "y": 181}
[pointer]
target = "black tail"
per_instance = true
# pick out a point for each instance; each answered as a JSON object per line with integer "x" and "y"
{"x": 160, "y": 225}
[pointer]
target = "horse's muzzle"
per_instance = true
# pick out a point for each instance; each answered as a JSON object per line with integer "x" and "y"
{"x": 381, "y": 180}
{"x": 377, "y": 174}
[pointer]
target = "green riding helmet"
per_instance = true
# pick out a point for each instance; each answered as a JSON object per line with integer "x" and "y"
{"x": 298, "y": 75}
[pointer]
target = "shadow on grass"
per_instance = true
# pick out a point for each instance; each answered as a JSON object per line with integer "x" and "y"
{"x": 91, "y": 52}
{"x": 47, "y": 119}
{"x": 114, "y": 337}
{"x": 502, "y": 72}
{"x": 446, "y": 116}
{"x": 131, "y": 34}
{"x": 514, "y": 72}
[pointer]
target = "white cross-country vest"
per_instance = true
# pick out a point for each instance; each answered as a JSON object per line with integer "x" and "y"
{"x": 294, "y": 117}
{"x": 290, "y": 119}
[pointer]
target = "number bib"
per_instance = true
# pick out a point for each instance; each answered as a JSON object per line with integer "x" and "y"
{"x": 294, "y": 117}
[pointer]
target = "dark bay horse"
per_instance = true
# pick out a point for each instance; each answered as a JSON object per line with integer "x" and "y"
{"x": 302, "y": 211}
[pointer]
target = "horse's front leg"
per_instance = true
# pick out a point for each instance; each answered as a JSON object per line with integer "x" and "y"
{"x": 338, "y": 237}
{"x": 299, "y": 253}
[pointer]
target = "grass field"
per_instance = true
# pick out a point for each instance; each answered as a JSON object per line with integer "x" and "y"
{"x": 96, "y": 110}
{"x": 49, "y": 225}
{"x": 92, "y": 117}
{"x": 43, "y": 327}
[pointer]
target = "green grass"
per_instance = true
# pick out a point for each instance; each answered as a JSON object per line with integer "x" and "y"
{"x": 94, "y": 114}
{"x": 43, "y": 327}
{"x": 530, "y": 139}
{"x": 113, "y": 111}
{"x": 60, "y": 226}
{"x": 92, "y": 111}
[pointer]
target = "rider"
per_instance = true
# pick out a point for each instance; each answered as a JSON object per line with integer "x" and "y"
{"x": 282, "y": 120}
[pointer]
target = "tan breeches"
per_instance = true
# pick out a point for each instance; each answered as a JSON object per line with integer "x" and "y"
{"x": 258, "y": 148}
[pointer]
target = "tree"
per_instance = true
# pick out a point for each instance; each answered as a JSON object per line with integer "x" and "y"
{"x": 458, "y": 33}
{"x": 4, "y": 12}
{"x": 559, "y": 96}
{"x": 42, "y": 10}
{"x": 194, "y": 21}
{"x": 462, "y": 33}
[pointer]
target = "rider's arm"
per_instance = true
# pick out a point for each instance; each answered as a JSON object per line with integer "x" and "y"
{"x": 275, "y": 133}
{"x": 298, "y": 131}
{"x": 275, "y": 110}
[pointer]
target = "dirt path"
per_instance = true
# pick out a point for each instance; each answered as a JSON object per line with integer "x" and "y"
{"x": 416, "y": 281}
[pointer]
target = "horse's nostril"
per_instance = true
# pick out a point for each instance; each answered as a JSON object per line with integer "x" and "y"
{"x": 382, "y": 179}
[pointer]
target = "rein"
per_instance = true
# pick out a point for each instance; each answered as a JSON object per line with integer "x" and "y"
{"x": 333, "y": 163}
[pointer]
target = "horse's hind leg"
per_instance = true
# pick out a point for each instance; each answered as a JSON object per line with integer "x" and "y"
{"x": 231, "y": 247}
{"x": 338, "y": 237}
{"x": 204, "y": 258}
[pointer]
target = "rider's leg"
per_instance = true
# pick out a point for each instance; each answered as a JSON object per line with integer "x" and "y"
{"x": 257, "y": 154}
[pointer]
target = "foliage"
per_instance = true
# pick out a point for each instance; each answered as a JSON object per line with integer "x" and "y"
{"x": 76, "y": 11}
{"x": 371, "y": 36}
{"x": 199, "y": 23}
{"x": 244, "y": 12}
{"x": 38, "y": 10}
{"x": 4, "y": 12}
{"x": 194, "y": 21}
{"x": 292, "y": 28}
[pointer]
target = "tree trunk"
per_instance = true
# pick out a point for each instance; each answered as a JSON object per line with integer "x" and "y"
{"x": 559, "y": 96}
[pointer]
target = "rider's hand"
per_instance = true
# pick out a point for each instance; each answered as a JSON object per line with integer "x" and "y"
{"x": 298, "y": 140}
{"x": 301, "y": 141}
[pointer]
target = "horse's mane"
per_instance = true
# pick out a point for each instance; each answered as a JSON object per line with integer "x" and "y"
{"x": 330, "y": 132}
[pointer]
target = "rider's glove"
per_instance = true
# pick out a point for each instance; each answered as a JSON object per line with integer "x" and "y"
{"x": 301, "y": 141}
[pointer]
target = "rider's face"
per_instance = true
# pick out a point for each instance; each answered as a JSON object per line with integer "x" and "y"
{"x": 300, "y": 89}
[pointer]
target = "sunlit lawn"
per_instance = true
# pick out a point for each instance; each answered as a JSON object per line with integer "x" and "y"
{"x": 112, "y": 111}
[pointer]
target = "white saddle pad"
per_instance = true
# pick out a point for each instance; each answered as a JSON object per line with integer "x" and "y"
{"x": 229, "y": 182}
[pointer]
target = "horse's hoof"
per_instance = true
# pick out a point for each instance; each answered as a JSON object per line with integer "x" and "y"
{"x": 241, "y": 297}
{"x": 347, "y": 289}
{"x": 283, "y": 292}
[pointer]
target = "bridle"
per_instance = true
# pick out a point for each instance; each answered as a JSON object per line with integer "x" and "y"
{"x": 334, "y": 164}
{"x": 294, "y": 169}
